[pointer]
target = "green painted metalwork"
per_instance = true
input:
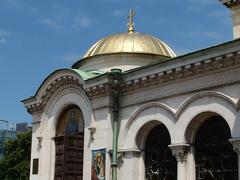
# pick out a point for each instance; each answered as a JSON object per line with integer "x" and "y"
{"x": 116, "y": 74}
{"x": 87, "y": 74}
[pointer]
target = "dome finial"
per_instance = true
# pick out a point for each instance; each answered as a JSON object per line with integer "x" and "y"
{"x": 131, "y": 23}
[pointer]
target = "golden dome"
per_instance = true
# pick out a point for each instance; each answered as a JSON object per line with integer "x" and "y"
{"x": 130, "y": 42}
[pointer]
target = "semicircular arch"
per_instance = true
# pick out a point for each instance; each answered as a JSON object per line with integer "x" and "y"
{"x": 215, "y": 105}
{"x": 149, "y": 112}
{"x": 202, "y": 94}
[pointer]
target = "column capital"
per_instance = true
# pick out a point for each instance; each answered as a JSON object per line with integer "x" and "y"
{"x": 236, "y": 144}
{"x": 180, "y": 151}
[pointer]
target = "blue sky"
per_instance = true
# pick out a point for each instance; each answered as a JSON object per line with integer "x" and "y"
{"x": 38, "y": 37}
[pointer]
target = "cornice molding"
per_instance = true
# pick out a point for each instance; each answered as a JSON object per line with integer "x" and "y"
{"x": 99, "y": 90}
{"x": 212, "y": 65}
{"x": 39, "y": 106}
{"x": 183, "y": 72}
{"x": 191, "y": 70}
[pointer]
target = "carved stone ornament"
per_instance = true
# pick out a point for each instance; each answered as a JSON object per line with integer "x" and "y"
{"x": 186, "y": 71}
{"x": 100, "y": 90}
{"x": 50, "y": 90}
{"x": 180, "y": 151}
{"x": 236, "y": 144}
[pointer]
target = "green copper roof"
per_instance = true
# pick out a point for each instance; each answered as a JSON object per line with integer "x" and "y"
{"x": 87, "y": 74}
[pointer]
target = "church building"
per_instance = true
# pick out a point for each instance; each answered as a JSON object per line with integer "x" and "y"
{"x": 130, "y": 109}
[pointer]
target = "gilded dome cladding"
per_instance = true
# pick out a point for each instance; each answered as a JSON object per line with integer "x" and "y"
{"x": 130, "y": 42}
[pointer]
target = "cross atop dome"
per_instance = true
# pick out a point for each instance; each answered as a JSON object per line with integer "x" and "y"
{"x": 131, "y": 23}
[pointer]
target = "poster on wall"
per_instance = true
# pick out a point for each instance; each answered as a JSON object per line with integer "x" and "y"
{"x": 98, "y": 164}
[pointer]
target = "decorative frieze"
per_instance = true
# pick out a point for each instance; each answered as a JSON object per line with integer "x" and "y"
{"x": 156, "y": 79}
{"x": 187, "y": 71}
{"x": 50, "y": 90}
{"x": 35, "y": 108}
{"x": 100, "y": 90}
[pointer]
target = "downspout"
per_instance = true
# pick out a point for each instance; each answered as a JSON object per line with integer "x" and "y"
{"x": 116, "y": 74}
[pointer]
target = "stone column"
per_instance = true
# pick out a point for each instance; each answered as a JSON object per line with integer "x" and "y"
{"x": 191, "y": 164}
{"x": 236, "y": 147}
{"x": 180, "y": 151}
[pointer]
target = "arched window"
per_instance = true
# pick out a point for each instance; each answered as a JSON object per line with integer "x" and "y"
{"x": 214, "y": 155}
{"x": 160, "y": 164}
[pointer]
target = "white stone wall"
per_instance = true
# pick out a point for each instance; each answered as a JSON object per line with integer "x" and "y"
{"x": 175, "y": 112}
{"x": 181, "y": 105}
{"x": 178, "y": 114}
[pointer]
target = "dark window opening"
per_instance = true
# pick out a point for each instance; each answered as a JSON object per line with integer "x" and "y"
{"x": 214, "y": 155}
{"x": 35, "y": 166}
{"x": 160, "y": 164}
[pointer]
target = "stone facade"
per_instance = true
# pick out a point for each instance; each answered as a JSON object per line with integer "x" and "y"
{"x": 179, "y": 93}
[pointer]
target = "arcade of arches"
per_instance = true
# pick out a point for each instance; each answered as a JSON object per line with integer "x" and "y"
{"x": 214, "y": 156}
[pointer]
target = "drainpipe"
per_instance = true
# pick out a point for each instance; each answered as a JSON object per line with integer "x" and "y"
{"x": 116, "y": 74}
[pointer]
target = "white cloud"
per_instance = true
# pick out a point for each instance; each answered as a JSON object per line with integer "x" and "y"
{"x": 3, "y": 40}
{"x": 207, "y": 34}
{"x": 160, "y": 21}
{"x": 50, "y": 23}
{"x": 213, "y": 35}
{"x": 4, "y": 33}
{"x": 71, "y": 57}
{"x": 112, "y": 1}
{"x": 11, "y": 3}
{"x": 203, "y": 1}
{"x": 227, "y": 21}
{"x": 3, "y": 36}
{"x": 34, "y": 10}
{"x": 82, "y": 22}
{"x": 223, "y": 16}
{"x": 219, "y": 14}
{"x": 182, "y": 51}
{"x": 120, "y": 12}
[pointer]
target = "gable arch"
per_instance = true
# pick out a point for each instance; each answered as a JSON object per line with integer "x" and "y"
{"x": 63, "y": 99}
{"x": 57, "y": 75}
{"x": 150, "y": 112}
{"x": 49, "y": 86}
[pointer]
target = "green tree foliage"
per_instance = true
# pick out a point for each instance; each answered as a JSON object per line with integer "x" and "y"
{"x": 16, "y": 162}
